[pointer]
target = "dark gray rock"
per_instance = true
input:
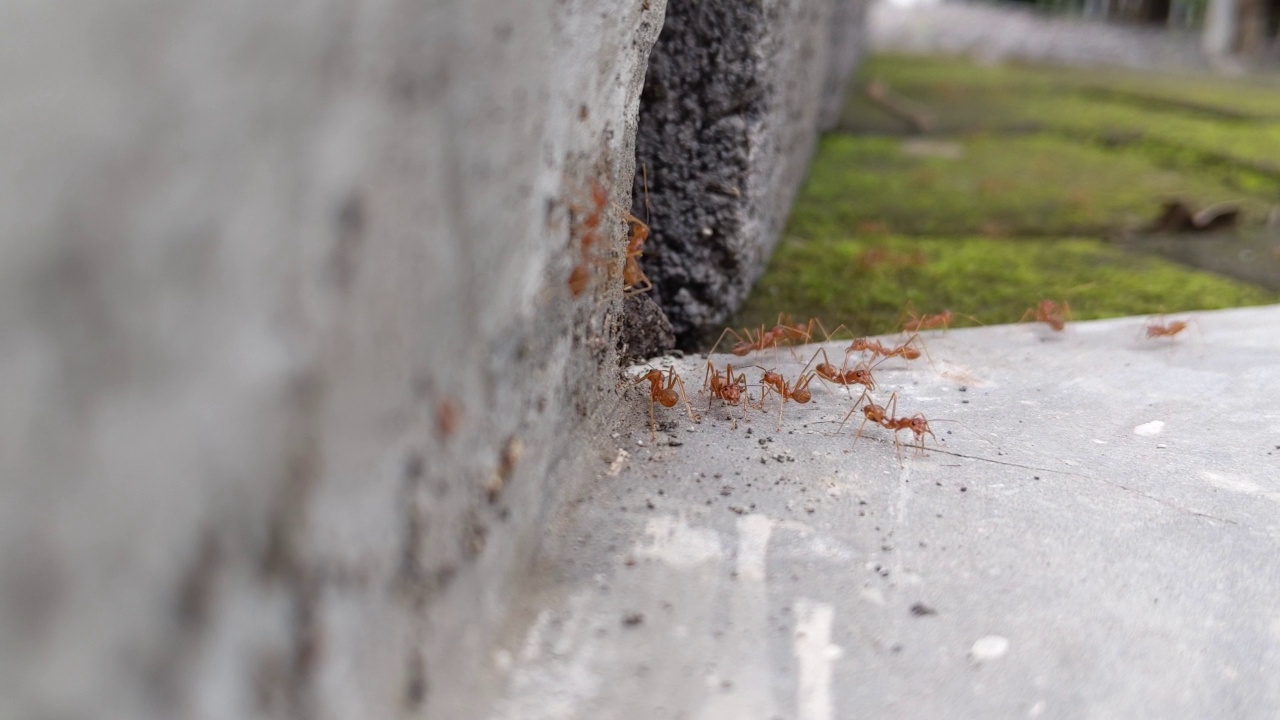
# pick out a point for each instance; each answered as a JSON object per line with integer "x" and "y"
{"x": 728, "y": 119}
{"x": 645, "y": 330}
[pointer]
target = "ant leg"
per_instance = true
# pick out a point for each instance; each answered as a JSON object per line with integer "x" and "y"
{"x": 645, "y": 284}
{"x": 727, "y": 331}
{"x": 653, "y": 422}
{"x": 925, "y": 348}
{"x": 827, "y": 336}
{"x": 684, "y": 397}
{"x": 851, "y": 411}
{"x": 859, "y": 433}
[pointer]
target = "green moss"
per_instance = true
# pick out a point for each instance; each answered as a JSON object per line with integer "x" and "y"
{"x": 1016, "y": 186}
{"x": 993, "y": 280}
{"x": 1024, "y": 165}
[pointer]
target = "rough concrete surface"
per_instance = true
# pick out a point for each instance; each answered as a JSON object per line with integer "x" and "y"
{"x": 1092, "y": 533}
{"x": 290, "y": 357}
{"x": 730, "y": 111}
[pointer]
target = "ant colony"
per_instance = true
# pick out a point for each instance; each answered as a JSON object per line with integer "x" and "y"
{"x": 732, "y": 387}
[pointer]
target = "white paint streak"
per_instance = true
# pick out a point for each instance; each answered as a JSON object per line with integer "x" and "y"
{"x": 1230, "y": 482}
{"x": 551, "y": 685}
{"x": 814, "y": 656}
{"x": 742, "y": 676}
{"x": 753, "y": 542}
{"x": 873, "y": 595}
{"x": 673, "y": 542}
{"x": 989, "y": 647}
{"x": 1155, "y": 427}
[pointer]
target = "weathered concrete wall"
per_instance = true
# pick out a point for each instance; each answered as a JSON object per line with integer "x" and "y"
{"x": 291, "y": 365}
{"x": 735, "y": 94}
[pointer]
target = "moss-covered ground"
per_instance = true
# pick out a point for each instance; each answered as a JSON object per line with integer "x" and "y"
{"x": 1015, "y": 194}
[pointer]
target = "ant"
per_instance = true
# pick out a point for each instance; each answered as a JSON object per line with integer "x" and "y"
{"x": 885, "y": 417}
{"x": 1051, "y": 313}
{"x": 903, "y": 351}
{"x": 782, "y": 332}
{"x": 1157, "y": 330}
{"x": 916, "y": 323}
{"x": 729, "y": 388}
{"x": 860, "y": 375}
{"x": 664, "y": 395}
{"x": 918, "y": 426}
{"x": 632, "y": 275}
{"x": 798, "y": 392}
{"x": 634, "y": 281}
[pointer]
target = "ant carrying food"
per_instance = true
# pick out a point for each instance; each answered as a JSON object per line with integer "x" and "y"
{"x": 799, "y": 391}
{"x": 666, "y": 395}
{"x": 1051, "y": 313}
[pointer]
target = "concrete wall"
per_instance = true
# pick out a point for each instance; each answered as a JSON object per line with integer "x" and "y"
{"x": 293, "y": 369}
{"x": 735, "y": 94}
{"x": 290, "y": 360}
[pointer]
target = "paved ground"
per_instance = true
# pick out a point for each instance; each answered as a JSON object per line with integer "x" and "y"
{"x": 1094, "y": 533}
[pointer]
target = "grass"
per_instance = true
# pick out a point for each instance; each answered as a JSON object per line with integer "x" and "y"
{"x": 1013, "y": 197}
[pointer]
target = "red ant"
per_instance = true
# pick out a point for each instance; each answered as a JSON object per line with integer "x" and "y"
{"x": 903, "y": 351}
{"x": 798, "y": 392}
{"x": 632, "y": 275}
{"x": 915, "y": 323}
{"x": 782, "y": 332}
{"x": 1053, "y": 314}
{"x": 885, "y": 417}
{"x": 1156, "y": 330}
{"x": 730, "y": 389}
{"x": 664, "y": 395}
{"x": 917, "y": 424}
{"x": 860, "y": 375}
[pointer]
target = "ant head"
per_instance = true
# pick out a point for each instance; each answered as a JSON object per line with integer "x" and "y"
{"x": 654, "y": 375}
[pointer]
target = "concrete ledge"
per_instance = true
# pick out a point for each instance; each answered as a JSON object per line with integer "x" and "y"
{"x": 1091, "y": 533}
